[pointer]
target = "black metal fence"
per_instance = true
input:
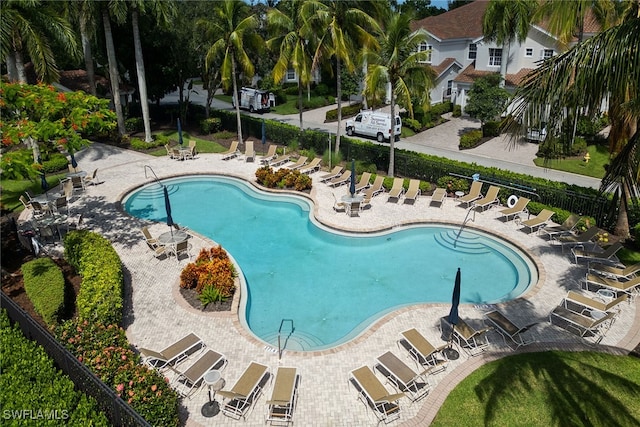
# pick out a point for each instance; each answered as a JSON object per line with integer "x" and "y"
{"x": 116, "y": 410}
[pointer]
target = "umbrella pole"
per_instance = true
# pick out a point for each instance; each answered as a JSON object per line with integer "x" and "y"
{"x": 451, "y": 353}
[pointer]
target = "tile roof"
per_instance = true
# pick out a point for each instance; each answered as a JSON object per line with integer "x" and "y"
{"x": 470, "y": 75}
{"x": 77, "y": 80}
{"x": 464, "y": 22}
{"x": 443, "y": 66}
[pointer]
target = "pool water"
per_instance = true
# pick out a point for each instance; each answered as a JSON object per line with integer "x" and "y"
{"x": 331, "y": 285}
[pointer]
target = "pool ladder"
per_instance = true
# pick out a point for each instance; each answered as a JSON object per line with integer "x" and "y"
{"x": 466, "y": 219}
{"x": 281, "y": 347}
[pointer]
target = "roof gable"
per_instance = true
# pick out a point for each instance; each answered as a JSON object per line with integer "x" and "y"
{"x": 464, "y": 22}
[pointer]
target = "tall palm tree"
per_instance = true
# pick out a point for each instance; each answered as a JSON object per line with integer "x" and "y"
{"x": 232, "y": 30}
{"x": 506, "y": 21}
{"x": 27, "y": 27}
{"x": 84, "y": 13}
{"x": 292, "y": 34}
{"x": 118, "y": 10}
{"x": 399, "y": 63}
{"x": 606, "y": 66}
{"x": 340, "y": 27}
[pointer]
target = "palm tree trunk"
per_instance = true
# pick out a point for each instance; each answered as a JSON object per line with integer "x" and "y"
{"x": 503, "y": 63}
{"x": 142, "y": 83}
{"x": 622, "y": 223}
{"x": 392, "y": 136}
{"x": 236, "y": 101}
{"x": 88, "y": 57}
{"x": 12, "y": 71}
{"x": 114, "y": 76}
{"x": 300, "y": 101}
{"x": 22, "y": 73}
{"x": 339, "y": 94}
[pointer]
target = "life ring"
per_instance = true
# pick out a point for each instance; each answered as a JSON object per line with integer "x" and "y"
{"x": 512, "y": 200}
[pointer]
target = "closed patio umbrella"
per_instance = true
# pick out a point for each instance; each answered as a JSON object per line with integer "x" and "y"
{"x": 74, "y": 163}
{"x": 453, "y": 317}
{"x": 352, "y": 184}
{"x": 179, "y": 132}
{"x": 167, "y": 206}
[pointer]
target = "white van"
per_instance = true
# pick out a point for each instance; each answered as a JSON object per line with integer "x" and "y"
{"x": 377, "y": 125}
{"x": 256, "y": 100}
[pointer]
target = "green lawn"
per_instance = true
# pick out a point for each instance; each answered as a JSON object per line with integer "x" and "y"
{"x": 12, "y": 190}
{"x": 595, "y": 167}
{"x": 202, "y": 145}
{"x": 547, "y": 389}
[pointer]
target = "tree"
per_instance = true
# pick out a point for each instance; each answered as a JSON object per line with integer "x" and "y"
{"x": 487, "y": 99}
{"x": 340, "y": 26}
{"x": 606, "y": 66}
{"x": 231, "y": 30}
{"x": 399, "y": 63}
{"x": 420, "y": 9}
{"x": 292, "y": 34}
{"x": 506, "y": 21}
{"x": 27, "y": 28}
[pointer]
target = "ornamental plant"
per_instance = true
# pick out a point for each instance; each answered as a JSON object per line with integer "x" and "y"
{"x": 212, "y": 268}
{"x": 283, "y": 178}
{"x": 44, "y": 285}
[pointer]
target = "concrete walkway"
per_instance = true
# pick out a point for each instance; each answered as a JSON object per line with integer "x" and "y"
{"x": 156, "y": 314}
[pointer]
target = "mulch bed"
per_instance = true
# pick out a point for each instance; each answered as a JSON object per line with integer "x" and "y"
{"x": 191, "y": 297}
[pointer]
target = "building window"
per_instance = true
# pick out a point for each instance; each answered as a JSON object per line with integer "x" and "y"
{"x": 291, "y": 75}
{"x": 528, "y": 52}
{"x": 473, "y": 50}
{"x": 449, "y": 87}
{"x": 424, "y": 47}
{"x": 495, "y": 57}
{"x": 547, "y": 53}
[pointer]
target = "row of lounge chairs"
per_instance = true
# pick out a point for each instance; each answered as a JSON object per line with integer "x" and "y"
{"x": 241, "y": 397}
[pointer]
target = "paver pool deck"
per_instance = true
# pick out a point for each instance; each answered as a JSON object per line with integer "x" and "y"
{"x": 156, "y": 315}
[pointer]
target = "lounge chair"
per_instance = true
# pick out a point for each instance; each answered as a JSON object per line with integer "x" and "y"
{"x": 177, "y": 154}
{"x": 589, "y": 303}
{"x": 283, "y": 396}
{"x": 314, "y": 166}
{"x": 189, "y": 152}
{"x": 566, "y": 227}
{"x": 245, "y": 391}
{"x": 491, "y": 198}
{"x": 630, "y": 287}
{"x": 539, "y": 221}
{"x": 376, "y": 188}
{"x": 618, "y": 273}
{"x": 413, "y": 191}
{"x": 271, "y": 154}
{"x": 593, "y": 325}
{"x": 438, "y": 196}
{"x": 422, "y": 351}
{"x": 473, "y": 341}
{"x": 249, "y": 152}
{"x": 582, "y": 238}
{"x": 78, "y": 183}
{"x": 172, "y": 354}
{"x": 374, "y": 395}
{"x": 151, "y": 241}
{"x": 473, "y": 195}
{"x": 335, "y": 172}
{"x": 415, "y": 386}
{"x": 280, "y": 160}
{"x": 232, "y": 151}
{"x": 187, "y": 381}
{"x": 608, "y": 255}
{"x": 517, "y": 209}
{"x": 93, "y": 179}
{"x": 364, "y": 181}
{"x": 302, "y": 160}
{"x": 180, "y": 248}
{"x": 508, "y": 329}
{"x": 397, "y": 189}
{"x": 340, "y": 180}
{"x": 337, "y": 205}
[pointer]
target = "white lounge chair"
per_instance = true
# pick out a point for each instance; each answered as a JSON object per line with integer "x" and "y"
{"x": 283, "y": 396}
{"x": 413, "y": 191}
{"x": 172, "y": 354}
{"x": 491, "y": 198}
{"x": 245, "y": 391}
{"x": 374, "y": 395}
{"x": 539, "y": 221}
{"x": 517, "y": 209}
{"x": 508, "y": 329}
{"x": 473, "y": 195}
{"x": 187, "y": 381}
{"x": 416, "y": 386}
{"x": 232, "y": 151}
{"x": 438, "y": 196}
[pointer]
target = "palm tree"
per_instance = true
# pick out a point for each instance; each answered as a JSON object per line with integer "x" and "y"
{"x": 231, "y": 30}
{"x": 506, "y": 21}
{"x": 117, "y": 9}
{"x": 28, "y": 27}
{"x": 606, "y": 66}
{"x": 292, "y": 36}
{"x": 339, "y": 27}
{"x": 399, "y": 63}
{"x": 84, "y": 13}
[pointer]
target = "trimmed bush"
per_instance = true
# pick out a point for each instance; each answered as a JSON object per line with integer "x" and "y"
{"x": 470, "y": 139}
{"x": 56, "y": 163}
{"x": 347, "y": 111}
{"x": 44, "y": 285}
{"x": 212, "y": 268}
{"x": 31, "y": 382}
{"x": 134, "y": 124}
{"x": 491, "y": 129}
{"x": 441, "y": 108}
{"x": 100, "y": 296}
{"x": 457, "y": 111}
{"x": 412, "y": 124}
{"x": 139, "y": 144}
{"x": 211, "y": 125}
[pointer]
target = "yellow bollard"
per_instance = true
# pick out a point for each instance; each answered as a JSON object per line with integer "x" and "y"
{"x": 587, "y": 157}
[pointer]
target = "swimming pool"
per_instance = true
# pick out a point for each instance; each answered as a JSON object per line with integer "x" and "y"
{"x": 332, "y": 285}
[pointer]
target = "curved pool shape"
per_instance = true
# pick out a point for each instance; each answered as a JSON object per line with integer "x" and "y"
{"x": 332, "y": 285}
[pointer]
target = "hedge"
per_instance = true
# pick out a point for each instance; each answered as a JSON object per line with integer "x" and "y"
{"x": 44, "y": 285}
{"x": 100, "y": 296}
{"x": 33, "y": 391}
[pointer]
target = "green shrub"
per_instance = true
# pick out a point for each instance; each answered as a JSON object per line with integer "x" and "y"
{"x": 44, "y": 285}
{"x": 457, "y": 184}
{"x": 55, "y": 163}
{"x": 491, "y": 129}
{"x": 457, "y": 111}
{"x": 321, "y": 89}
{"x": 139, "y": 144}
{"x": 579, "y": 146}
{"x": 100, "y": 296}
{"x": 211, "y": 125}
{"x": 441, "y": 108}
{"x": 16, "y": 164}
{"x": 315, "y": 102}
{"x": 134, "y": 124}
{"x": 347, "y": 111}
{"x": 210, "y": 294}
{"x": 283, "y": 178}
{"x": 636, "y": 232}
{"x": 470, "y": 139}
{"x": 31, "y": 381}
{"x": 414, "y": 125}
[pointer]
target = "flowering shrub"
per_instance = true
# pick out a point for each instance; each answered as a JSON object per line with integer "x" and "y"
{"x": 283, "y": 178}
{"x": 212, "y": 268}
{"x": 106, "y": 352}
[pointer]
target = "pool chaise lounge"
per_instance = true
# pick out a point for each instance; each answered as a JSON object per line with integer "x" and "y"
{"x": 280, "y": 160}
{"x": 188, "y": 380}
{"x": 422, "y": 351}
{"x": 582, "y": 238}
{"x": 589, "y": 303}
{"x": 539, "y": 221}
{"x": 314, "y": 166}
{"x": 473, "y": 195}
{"x": 629, "y": 287}
{"x": 302, "y": 160}
{"x": 376, "y": 188}
{"x": 491, "y": 198}
{"x": 340, "y": 180}
{"x": 414, "y": 385}
{"x": 618, "y": 273}
{"x": 473, "y": 341}
{"x": 172, "y": 354}
{"x": 245, "y": 391}
{"x": 271, "y": 154}
{"x": 517, "y": 209}
{"x": 607, "y": 255}
{"x": 283, "y": 396}
{"x": 364, "y": 181}
{"x": 586, "y": 323}
{"x": 397, "y": 189}
{"x": 413, "y": 191}
{"x": 232, "y": 151}
{"x": 567, "y": 227}
{"x": 508, "y": 329}
{"x": 335, "y": 172}
{"x": 249, "y": 152}
{"x": 374, "y": 395}
{"x": 439, "y": 196}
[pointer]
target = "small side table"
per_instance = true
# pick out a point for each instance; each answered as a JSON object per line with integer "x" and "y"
{"x": 459, "y": 194}
{"x": 214, "y": 381}
{"x": 605, "y": 294}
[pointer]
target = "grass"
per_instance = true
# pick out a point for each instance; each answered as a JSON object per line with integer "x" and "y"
{"x": 628, "y": 256}
{"x": 13, "y": 189}
{"x": 202, "y": 145}
{"x": 289, "y": 107}
{"x": 547, "y": 389}
{"x": 594, "y": 168}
